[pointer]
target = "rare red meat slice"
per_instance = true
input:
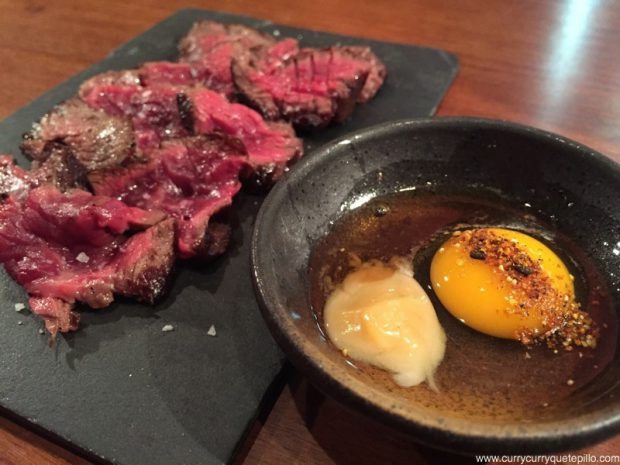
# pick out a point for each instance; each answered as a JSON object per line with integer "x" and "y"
{"x": 270, "y": 145}
{"x": 310, "y": 88}
{"x": 153, "y": 110}
{"x": 96, "y": 139}
{"x": 61, "y": 169}
{"x": 191, "y": 179}
{"x": 75, "y": 247}
{"x": 161, "y": 113}
{"x": 209, "y": 48}
{"x": 169, "y": 73}
{"x": 377, "y": 72}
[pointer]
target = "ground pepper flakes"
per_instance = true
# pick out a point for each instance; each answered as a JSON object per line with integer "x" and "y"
{"x": 565, "y": 324}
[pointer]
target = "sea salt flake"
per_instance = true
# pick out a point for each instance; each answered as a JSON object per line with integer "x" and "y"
{"x": 212, "y": 331}
{"x": 19, "y": 307}
{"x": 167, "y": 328}
{"x": 82, "y": 258}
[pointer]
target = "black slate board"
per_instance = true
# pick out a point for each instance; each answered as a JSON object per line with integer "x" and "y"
{"x": 120, "y": 389}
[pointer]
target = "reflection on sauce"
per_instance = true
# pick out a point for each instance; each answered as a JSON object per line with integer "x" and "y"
{"x": 382, "y": 316}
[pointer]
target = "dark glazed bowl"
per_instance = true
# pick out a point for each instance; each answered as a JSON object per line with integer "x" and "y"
{"x": 575, "y": 188}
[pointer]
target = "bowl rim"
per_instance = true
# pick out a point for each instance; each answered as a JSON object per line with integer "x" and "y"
{"x": 455, "y": 434}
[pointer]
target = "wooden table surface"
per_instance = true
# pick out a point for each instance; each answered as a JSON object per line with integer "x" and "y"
{"x": 551, "y": 64}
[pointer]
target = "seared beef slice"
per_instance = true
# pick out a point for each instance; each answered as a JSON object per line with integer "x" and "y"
{"x": 61, "y": 169}
{"x": 161, "y": 113}
{"x": 76, "y": 247}
{"x": 96, "y": 139}
{"x": 376, "y": 74}
{"x": 270, "y": 145}
{"x": 310, "y": 88}
{"x": 209, "y": 48}
{"x": 153, "y": 110}
{"x": 191, "y": 179}
{"x": 157, "y": 73}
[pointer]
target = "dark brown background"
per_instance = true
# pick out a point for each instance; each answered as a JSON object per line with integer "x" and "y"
{"x": 551, "y": 64}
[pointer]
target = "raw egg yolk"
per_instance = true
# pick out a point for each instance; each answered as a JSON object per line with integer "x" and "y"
{"x": 503, "y": 283}
{"x": 381, "y": 315}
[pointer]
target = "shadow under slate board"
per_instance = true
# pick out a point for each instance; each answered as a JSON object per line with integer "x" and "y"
{"x": 120, "y": 390}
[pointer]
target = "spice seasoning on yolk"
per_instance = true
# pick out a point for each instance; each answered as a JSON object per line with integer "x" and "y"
{"x": 507, "y": 284}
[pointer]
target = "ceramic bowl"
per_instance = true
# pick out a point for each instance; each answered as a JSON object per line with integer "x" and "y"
{"x": 560, "y": 181}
